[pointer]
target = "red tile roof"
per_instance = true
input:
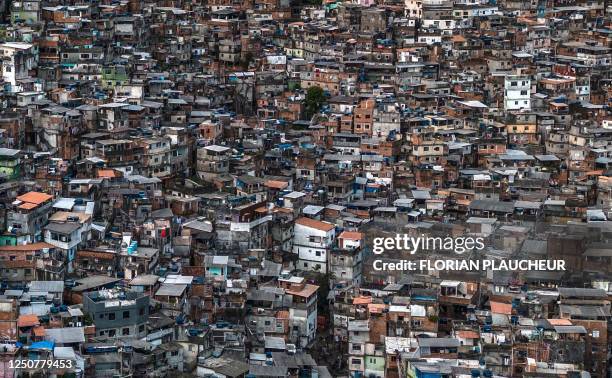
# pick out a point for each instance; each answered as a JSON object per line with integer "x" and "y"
{"x": 351, "y": 235}
{"x": 306, "y": 292}
{"x": 376, "y": 308}
{"x": 39, "y": 331}
{"x": 35, "y": 197}
{"x": 559, "y": 322}
{"x": 276, "y": 184}
{"x": 107, "y": 173}
{"x": 28, "y": 206}
{"x": 468, "y": 334}
{"x": 501, "y": 308}
{"x": 313, "y": 223}
{"x": 27, "y": 320}
{"x": 26, "y": 247}
{"x": 362, "y": 300}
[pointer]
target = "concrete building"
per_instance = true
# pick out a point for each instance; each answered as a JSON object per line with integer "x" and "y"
{"x": 117, "y": 314}
{"x": 212, "y": 161}
{"x": 18, "y": 58}
{"x": 312, "y": 241}
{"x": 517, "y": 93}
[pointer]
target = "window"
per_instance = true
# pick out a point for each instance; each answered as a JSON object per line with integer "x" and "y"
{"x": 355, "y": 361}
{"x": 111, "y": 316}
{"x": 141, "y": 328}
{"x": 111, "y": 333}
{"x": 126, "y": 314}
{"x": 125, "y": 331}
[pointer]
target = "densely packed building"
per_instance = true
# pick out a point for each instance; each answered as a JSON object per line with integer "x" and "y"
{"x": 193, "y": 187}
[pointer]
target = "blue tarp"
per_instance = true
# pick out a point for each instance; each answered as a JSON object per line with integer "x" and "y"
{"x": 42, "y": 345}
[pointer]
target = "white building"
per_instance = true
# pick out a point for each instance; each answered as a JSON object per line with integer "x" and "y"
{"x": 517, "y": 93}
{"x": 66, "y": 230}
{"x": 26, "y": 11}
{"x": 303, "y": 309}
{"x": 446, "y": 26}
{"x": 583, "y": 89}
{"x": 594, "y": 55}
{"x": 312, "y": 241}
{"x": 346, "y": 262}
{"x": 18, "y": 59}
{"x": 413, "y": 8}
{"x": 358, "y": 336}
{"x": 430, "y": 37}
{"x": 386, "y": 121}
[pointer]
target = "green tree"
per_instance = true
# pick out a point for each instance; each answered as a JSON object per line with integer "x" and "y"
{"x": 324, "y": 281}
{"x": 315, "y": 97}
{"x": 87, "y": 320}
{"x": 248, "y": 58}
